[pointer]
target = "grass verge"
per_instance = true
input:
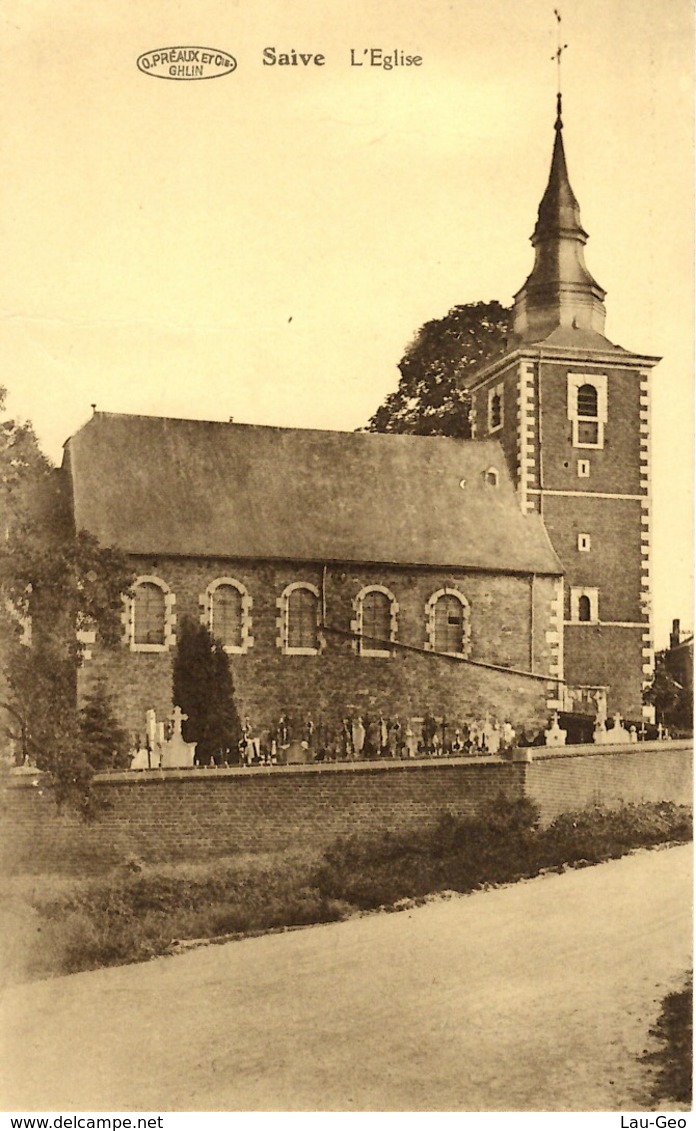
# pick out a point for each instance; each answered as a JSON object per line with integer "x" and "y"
{"x": 673, "y": 1058}
{"x": 137, "y": 914}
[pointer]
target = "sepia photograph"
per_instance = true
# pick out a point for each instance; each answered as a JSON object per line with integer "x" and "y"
{"x": 346, "y": 571}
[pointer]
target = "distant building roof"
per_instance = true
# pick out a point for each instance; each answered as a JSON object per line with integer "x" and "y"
{"x": 157, "y": 486}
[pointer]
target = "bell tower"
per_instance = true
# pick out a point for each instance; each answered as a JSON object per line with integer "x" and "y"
{"x": 572, "y": 412}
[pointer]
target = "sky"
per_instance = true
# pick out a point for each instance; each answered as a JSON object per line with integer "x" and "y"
{"x": 264, "y": 245}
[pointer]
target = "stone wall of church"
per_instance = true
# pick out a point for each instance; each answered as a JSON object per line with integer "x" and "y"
{"x": 511, "y": 620}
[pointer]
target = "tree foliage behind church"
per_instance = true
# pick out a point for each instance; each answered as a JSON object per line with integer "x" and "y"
{"x": 430, "y": 399}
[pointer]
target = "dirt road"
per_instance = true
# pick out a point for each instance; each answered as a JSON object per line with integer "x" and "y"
{"x": 532, "y": 997}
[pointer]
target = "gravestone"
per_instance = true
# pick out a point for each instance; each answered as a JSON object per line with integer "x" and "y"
{"x": 555, "y": 736}
{"x": 176, "y": 752}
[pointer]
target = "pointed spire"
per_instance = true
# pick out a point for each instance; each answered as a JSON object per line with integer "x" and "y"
{"x": 560, "y": 290}
{"x": 559, "y": 210}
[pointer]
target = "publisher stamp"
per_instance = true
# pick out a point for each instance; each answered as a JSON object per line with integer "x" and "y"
{"x": 186, "y": 63}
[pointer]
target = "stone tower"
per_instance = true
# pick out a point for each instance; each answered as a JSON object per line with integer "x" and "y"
{"x": 572, "y": 412}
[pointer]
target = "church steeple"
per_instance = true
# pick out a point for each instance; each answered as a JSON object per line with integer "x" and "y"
{"x": 560, "y": 292}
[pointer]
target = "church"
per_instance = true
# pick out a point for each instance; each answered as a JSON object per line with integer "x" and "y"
{"x": 361, "y": 575}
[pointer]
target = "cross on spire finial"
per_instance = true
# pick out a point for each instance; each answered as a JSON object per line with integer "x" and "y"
{"x": 557, "y": 55}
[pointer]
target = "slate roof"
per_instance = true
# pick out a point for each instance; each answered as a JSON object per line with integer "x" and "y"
{"x": 576, "y": 338}
{"x": 158, "y": 486}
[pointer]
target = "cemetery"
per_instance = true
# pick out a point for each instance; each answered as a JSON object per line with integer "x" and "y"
{"x": 421, "y": 737}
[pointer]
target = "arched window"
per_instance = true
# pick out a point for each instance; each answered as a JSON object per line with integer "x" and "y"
{"x": 149, "y": 616}
{"x": 587, "y": 418}
{"x": 226, "y": 615}
{"x": 584, "y": 605}
{"x": 491, "y": 477}
{"x": 587, "y": 401}
{"x": 448, "y": 623}
{"x": 226, "y": 611}
{"x": 299, "y": 620}
{"x": 587, "y": 409}
{"x": 375, "y": 622}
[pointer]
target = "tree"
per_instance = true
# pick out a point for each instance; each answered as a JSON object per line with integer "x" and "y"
{"x": 202, "y": 686}
{"x": 54, "y": 586}
{"x": 672, "y": 702}
{"x": 104, "y": 741}
{"x": 430, "y": 399}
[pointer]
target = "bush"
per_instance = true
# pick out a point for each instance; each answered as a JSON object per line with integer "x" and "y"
{"x": 455, "y": 853}
{"x": 500, "y": 843}
{"x": 601, "y": 834}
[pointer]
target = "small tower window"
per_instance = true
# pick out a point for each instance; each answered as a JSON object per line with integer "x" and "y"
{"x": 583, "y": 469}
{"x": 584, "y": 543}
{"x": 490, "y": 477}
{"x": 495, "y": 408}
{"x": 584, "y": 605}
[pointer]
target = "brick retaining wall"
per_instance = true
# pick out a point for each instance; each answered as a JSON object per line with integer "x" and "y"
{"x": 653, "y": 771}
{"x": 192, "y": 815}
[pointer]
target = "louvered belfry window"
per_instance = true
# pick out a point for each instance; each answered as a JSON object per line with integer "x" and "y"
{"x": 587, "y": 401}
{"x": 588, "y": 422}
